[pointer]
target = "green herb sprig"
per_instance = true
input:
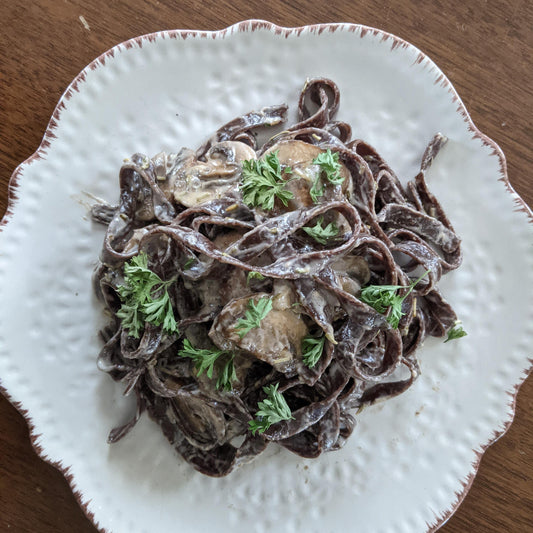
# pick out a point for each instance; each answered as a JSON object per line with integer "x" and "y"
{"x": 205, "y": 360}
{"x": 226, "y": 375}
{"x": 381, "y": 297}
{"x": 189, "y": 263}
{"x": 322, "y": 234}
{"x": 456, "y": 332}
{"x": 272, "y": 409}
{"x": 262, "y": 182}
{"x": 330, "y": 169}
{"x": 317, "y": 189}
{"x": 312, "y": 349}
{"x": 330, "y": 166}
{"x": 145, "y": 298}
{"x": 254, "y": 275}
{"x": 254, "y": 314}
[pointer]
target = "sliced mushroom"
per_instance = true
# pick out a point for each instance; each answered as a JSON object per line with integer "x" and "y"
{"x": 230, "y": 152}
{"x": 192, "y": 182}
{"x": 276, "y": 341}
{"x": 352, "y": 272}
{"x": 299, "y": 155}
{"x": 215, "y": 292}
{"x": 184, "y": 158}
{"x": 225, "y": 284}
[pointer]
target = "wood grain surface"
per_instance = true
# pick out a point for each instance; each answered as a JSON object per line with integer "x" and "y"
{"x": 484, "y": 47}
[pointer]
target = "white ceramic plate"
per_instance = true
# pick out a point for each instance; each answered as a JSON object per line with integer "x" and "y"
{"x": 411, "y": 460}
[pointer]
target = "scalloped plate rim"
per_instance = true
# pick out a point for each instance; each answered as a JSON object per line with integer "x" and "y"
{"x": 251, "y": 25}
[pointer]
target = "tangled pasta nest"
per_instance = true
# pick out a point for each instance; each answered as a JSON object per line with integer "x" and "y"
{"x": 237, "y": 309}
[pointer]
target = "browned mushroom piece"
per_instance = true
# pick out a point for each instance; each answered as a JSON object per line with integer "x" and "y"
{"x": 191, "y": 182}
{"x": 352, "y": 272}
{"x": 299, "y": 156}
{"x": 215, "y": 291}
{"x": 165, "y": 166}
{"x": 277, "y": 341}
{"x": 230, "y": 152}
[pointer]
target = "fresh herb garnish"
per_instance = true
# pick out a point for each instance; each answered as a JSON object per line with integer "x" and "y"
{"x": 312, "y": 350}
{"x": 254, "y": 275}
{"x": 189, "y": 263}
{"x": 456, "y": 332}
{"x": 330, "y": 168}
{"x": 205, "y": 361}
{"x": 254, "y": 314}
{"x": 262, "y": 182}
{"x": 144, "y": 298}
{"x": 272, "y": 409}
{"x": 160, "y": 311}
{"x": 322, "y": 234}
{"x": 132, "y": 318}
{"x": 226, "y": 375}
{"x": 381, "y": 297}
{"x": 317, "y": 189}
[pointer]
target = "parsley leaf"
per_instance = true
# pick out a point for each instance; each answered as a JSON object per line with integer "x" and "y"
{"x": 272, "y": 409}
{"x": 138, "y": 266}
{"x": 381, "y": 297}
{"x": 262, "y": 182}
{"x": 316, "y": 190}
{"x": 456, "y": 332}
{"x": 330, "y": 166}
{"x": 226, "y": 375}
{"x": 312, "y": 350}
{"x": 169, "y": 322}
{"x": 160, "y": 312}
{"x": 205, "y": 360}
{"x": 132, "y": 319}
{"x": 320, "y": 234}
{"x": 254, "y": 275}
{"x": 254, "y": 314}
{"x": 144, "y": 298}
{"x": 189, "y": 263}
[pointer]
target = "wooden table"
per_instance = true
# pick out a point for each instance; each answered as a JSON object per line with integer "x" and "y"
{"x": 484, "y": 47}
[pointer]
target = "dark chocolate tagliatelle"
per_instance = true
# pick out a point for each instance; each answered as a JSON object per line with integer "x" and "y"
{"x": 265, "y": 293}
